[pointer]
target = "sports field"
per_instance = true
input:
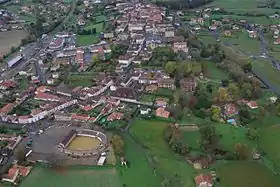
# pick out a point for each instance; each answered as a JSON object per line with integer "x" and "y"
{"x": 97, "y": 177}
{"x": 83, "y": 143}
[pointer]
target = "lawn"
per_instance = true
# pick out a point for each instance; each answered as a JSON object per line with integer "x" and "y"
{"x": 100, "y": 18}
{"x": 164, "y": 92}
{"x": 139, "y": 173}
{"x": 98, "y": 27}
{"x": 97, "y": 177}
{"x": 80, "y": 80}
{"x": 166, "y": 163}
{"x": 192, "y": 138}
{"x": 245, "y": 174}
{"x": 147, "y": 98}
{"x": 216, "y": 73}
{"x": 86, "y": 40}
{"x": 232, "y": 135}
{"x": 268, "y": 143}
{"x": 265, "y": 70}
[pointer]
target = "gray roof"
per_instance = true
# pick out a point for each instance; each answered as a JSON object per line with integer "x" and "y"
{"x": 14, "y": 60}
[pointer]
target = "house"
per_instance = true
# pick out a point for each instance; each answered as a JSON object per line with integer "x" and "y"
{"x": 166, "y": 83}
{"x": 203, "y": 180}
{"x": 169, "y": 33}
{"x": 125, "y": 93}
{"x": 125, "y": 59}
{"x": 80, "y": 117}
{"x": 115, "y": 116}
{"x": 7, "y": 108}
{"x": 212, "y": 27}
{"x": 145, "y": 111}
{"x": 109, "y": 35}
{"x": 253, "y": 34}
{"x": 161, "y": 112}
{"x": 59, "y": 116}
{"x": 55, "y": 67}
{"x": 80, "y": 56}
{"x": 160, "y": 102}
{"x": 276, "y": 42}
{"x": 188, "y": 85}
{"x": 55, "y": 75}
{"x": 227, "y": 33}
{"x": 151, "y": 88}
{"x": 180, "y": 46}
{"x": 230, "y": 109}
{"x": 252, "y": 104}
{"x": 14, "y": 172}
{"x": 7, "y": 84}
{"x": 46, "y": 97}
{"x": 273, "y": 99}
{"x": 81, "y": 22}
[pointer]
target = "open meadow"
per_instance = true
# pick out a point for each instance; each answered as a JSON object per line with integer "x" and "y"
{"x": 165, "y": 162}
{"x": 10, "y": 39}
{"x": 245, "y": 174}
{"x": 89, "y": 177}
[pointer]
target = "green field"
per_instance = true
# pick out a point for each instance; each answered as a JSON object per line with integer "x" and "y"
{"x": 215, "y": 73}
{"x": 166, "y": 163}
{"x": 246, "y": 174}
{"x": 266, "y": 71}
{"x": 268, "y": 143}
{"x": 100, "y": 18}
{"x": 147, "y": 98}
{"x": 240, "y": 6}
{"x": 232, "y": 135}
{"x": 80, "y": 80}
{"x": 45, "y": 177}
{"x": 192, "y": 138}
{"x": 139, "y": 168}
{"x": 98, "y": 27}
{"x": 86, "y": 40}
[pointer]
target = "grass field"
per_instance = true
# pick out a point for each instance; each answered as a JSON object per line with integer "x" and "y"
{"x": 166, "y": 163}
{"x": 98, "y": 27}
{"x": 100, "y": 18}
{"x": 139, "y": 173}
{"x": 86, "y": 40}
{"x": 99, "y": 177}
{"x": 266, "y": 71}
{"x": 147, "y": 98}
{"x": 83, "y": 143}
{"x": 216, "y": 73}
{"x": 192, "y": 138}
{"x": 245, "y": 174}
{"x": 232, "y": 135}
{"x": 268, "y": 143}
{"x": 10, "y": 39}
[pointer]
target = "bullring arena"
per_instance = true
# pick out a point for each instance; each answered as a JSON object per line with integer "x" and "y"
{"x": 83, "y": 142}
{"x": 75, "y": 146}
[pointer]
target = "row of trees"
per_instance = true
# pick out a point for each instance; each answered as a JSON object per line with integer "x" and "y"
{"x": 118, "y": 145}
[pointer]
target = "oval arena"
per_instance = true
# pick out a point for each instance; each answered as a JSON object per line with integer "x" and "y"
{"x": 83, "y": 142}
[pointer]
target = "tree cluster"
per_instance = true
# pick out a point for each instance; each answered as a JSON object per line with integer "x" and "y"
{"x": 172, "y": 136}
{"x": 118, "y": 145}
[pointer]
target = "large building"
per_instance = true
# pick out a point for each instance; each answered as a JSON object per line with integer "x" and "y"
{"x": 14, "y": 61}
{"x": 56, "y": 43}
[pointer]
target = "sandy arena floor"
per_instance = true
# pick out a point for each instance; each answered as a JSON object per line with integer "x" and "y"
{"x": 83, "y": 143}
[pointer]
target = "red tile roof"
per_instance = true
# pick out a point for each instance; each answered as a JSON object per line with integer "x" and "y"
{"x": 230, "y": 109}
{"x": 87, "y": 108}
{"x": 161, "y": 112}
{"x": 115, "y": 116}
{"x": 82, "y": 117}
{"x": 203, "y": 179}
{"x": 46, "y": 96}
{"x": 7, "y": 108}
{"x": 8, "y": 84}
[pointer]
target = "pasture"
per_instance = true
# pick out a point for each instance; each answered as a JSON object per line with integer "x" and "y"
{"x": 244, "y": 174}
{"x": 90, "y": 177}
{"x": 140, "y": 172}
{"x": 10, "y": 39}
{"x": 165, "y": 162}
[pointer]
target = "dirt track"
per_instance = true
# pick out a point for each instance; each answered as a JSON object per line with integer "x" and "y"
{"x": 10, "y": 39}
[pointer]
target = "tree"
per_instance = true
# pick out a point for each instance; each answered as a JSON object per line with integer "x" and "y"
{"x": 247, "y": 67}
{"x": 241, "y": 151}
{"x": 118, "y": 145}
{"x": 207, "y": 134}
{"x": 216, "y": 113}
{"x": 185, "y": 68}
{"x": 233, "y": 90}
{"x": 246, "y": 90}
{"x": 170, "y": 67}
{"x": 252, "y": 134}
{"x": 223, "y": 94}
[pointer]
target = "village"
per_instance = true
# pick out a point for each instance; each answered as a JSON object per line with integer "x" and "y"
{"x": 124, "y": 80}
